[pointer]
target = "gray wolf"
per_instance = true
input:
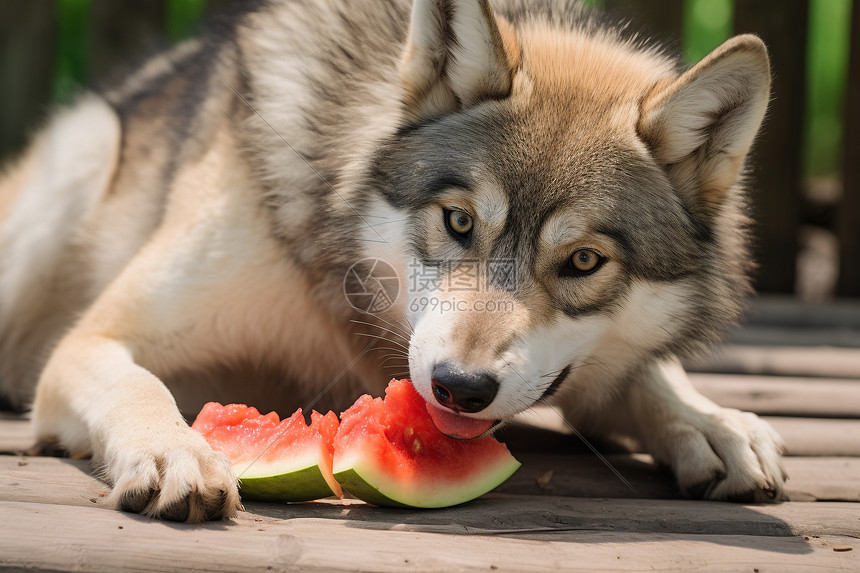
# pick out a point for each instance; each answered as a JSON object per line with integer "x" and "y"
{"x": 189, "y": 235}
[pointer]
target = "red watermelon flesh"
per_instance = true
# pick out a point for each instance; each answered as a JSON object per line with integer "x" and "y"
{"x": 279, "y": 460}
{"x": 390, "y": 452}
{"x": 386, "y": 452}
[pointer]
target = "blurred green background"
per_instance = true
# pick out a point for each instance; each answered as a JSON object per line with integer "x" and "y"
{"x": 807, "y": 205}
{"x": 181, "y": 18}
{"x": 706, "y": 24}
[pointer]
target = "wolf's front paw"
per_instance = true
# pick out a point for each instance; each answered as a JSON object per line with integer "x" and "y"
{"x": 176, "y": 477}
{"x": 728, "y": 455}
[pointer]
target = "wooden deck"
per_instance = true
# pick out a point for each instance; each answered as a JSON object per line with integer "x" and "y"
{"x": 563, "y": 511}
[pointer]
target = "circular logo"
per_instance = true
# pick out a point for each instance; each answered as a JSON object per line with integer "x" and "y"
{"x": 371, "y": 286}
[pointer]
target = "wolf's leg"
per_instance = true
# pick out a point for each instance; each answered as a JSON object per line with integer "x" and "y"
{"x": 97, "y": 394}
{"x": 93, "y": 397}
{"x": 716, "y": 453}
{"x": 197, "y": 293}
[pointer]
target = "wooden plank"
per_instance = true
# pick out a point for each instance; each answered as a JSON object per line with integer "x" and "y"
{"x": 27, "y": 40}
{"x": 777, "y": 157}
{"x": 113, "y": 541}
{"x": 16, "y": 433}
{"x": 849, "y": 208}
{"x": 582, "y": 475}
{"x": 69, "y": 482}
{"x": 843, "y": 337}
{"x": 56, "y": 481}
{"x": 495, "y": 514}
{"x": 803, "y": 436}
{"x": 782, "y": 395}
{"x": 499, "y": 513}
{"x": 817, "y": 437}
{"x": 786, "y": 311}
{"x": 822, "y": 361}
{"x": 823, "y": 479}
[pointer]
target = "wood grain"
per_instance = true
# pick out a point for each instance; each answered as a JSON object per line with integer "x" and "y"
{"x": 70, "y": 482}
{"x": 563, "y": 510}
{"x": 787, "y": 311}
{"x": 803, "y": 436}
{"x": 822, "y": 361}
{"x": 783, "y": 395}
{"x": 16, "y": 433}
{"x": 823, "y": 479}
{"x": 114, "y": 541}
{"x": 584, "y": 475}
{"x": 818, "y": 437}
{"x": 54, "y": 481}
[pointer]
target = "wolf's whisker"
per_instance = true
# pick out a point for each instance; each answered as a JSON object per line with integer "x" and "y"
{"x": 552, "y": 374}
{"x": 395, "y": 352}
{"x": 382, "y": 328}
{"x": 406, "y": 325}
{"x": 399, "y": 351}
{"x": 406, "y": 331}
{"x": 406, "y": 348}
{"x": 396, "y": 324}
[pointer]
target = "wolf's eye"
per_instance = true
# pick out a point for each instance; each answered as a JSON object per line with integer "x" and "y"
{"x": 582, "y": 262}
{"x": 458, "y": 222}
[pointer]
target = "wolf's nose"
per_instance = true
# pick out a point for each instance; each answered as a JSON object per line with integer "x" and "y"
{"x": 463, "y": 391}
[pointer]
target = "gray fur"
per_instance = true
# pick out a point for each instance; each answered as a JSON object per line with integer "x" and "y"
{"x": 347, "y": 55}
{"x": 351, "y": 141}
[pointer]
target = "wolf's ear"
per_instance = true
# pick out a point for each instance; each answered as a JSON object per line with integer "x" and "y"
{"x": 701, "y": 126}
{"x": 458, "y": 53}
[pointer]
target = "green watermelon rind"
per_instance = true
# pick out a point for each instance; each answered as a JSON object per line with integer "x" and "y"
{"x": 306, "y": 484}
{"x": 352, "y": 481}
{"x": 368, "y": 483}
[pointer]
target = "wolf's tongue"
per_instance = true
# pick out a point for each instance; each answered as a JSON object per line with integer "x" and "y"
{"x": 457, "y": 426}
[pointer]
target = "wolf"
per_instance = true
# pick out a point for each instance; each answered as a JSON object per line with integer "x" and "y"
{"x": 510, "y": 201}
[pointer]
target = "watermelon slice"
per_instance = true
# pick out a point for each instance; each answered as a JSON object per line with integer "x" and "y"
{"x": 386, "y": 452}
{"x": 275, "y": 460}
{"x": 390, "y": 452}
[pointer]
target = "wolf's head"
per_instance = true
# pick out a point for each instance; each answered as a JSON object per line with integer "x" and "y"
{"x": 573, "y": 205}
